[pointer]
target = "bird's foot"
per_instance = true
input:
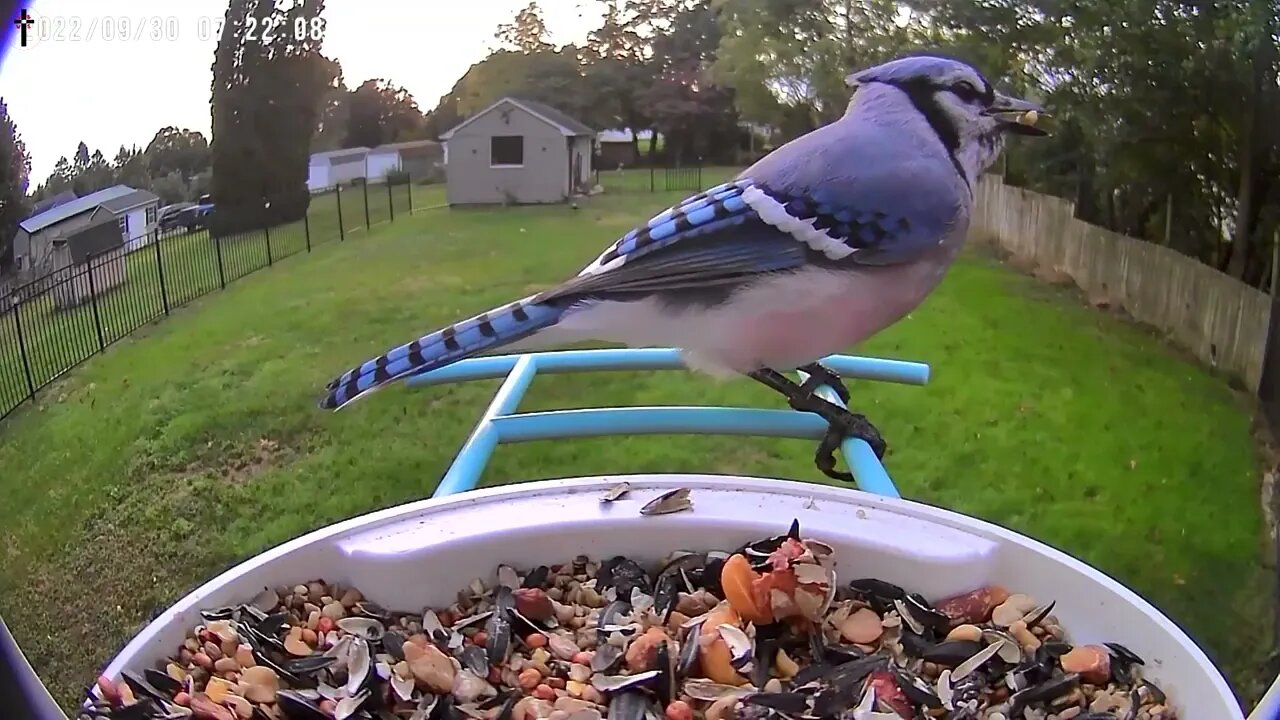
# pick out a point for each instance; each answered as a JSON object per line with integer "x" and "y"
{"x": 842, "y": 423}
{"x": 819, "y": 375}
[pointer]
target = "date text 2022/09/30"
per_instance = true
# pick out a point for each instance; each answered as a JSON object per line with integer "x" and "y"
{"x": 50, "y": 28}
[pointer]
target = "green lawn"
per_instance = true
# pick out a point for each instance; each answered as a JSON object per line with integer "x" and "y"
{"x": 196, "y": 442}
{"x": 179, "y": 268}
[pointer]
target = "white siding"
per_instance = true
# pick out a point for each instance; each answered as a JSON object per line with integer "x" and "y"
{"x": 381, "y": 162}
{"x": 318, "y": 174}
{"x": 139, "y": 232}
{"x": 346, "y": 171}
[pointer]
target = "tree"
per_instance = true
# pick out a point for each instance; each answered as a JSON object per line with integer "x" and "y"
{"x": 335, "y": 113}
{"x": 15, "y": 169}
{"x": 94, "y": 175}
{"x": 1157, "y": 105}
{"x": 177, "y": 150}
{"x": 171, "y": 188}
{"x": 617, "y": 74}
{"x": 798, "y": 52}
{"x": 527, "y": 33}
{"x": 379, "y": 112}
{"x": 81, "y": 157}
{"x": 549, "y": 76}
{"x": 266, "y": 102}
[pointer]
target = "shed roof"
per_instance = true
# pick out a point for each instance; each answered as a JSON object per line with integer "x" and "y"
{"x": 566, "y": 124}
{"x": 70, "y": 209}
{"x": 101, "y": 235}
{"x": 130, "y": 201}
{"x": 340, "y": 153}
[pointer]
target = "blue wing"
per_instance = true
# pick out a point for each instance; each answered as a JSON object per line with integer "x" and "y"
{"x": 738, "y": 230}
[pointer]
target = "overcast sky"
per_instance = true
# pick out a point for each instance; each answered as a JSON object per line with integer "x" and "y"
{"x": 82, "y": 78}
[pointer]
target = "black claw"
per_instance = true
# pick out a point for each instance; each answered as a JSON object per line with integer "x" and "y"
{"x": 825, "y": 457}
{"x": 820, "y": 374}
{"x": 842, "y": 422}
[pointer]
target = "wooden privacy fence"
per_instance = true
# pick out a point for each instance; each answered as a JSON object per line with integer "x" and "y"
{"x": 1217, "y": 318}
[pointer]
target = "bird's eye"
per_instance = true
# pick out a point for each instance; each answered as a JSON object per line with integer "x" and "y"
{"x": 966, "y": 91}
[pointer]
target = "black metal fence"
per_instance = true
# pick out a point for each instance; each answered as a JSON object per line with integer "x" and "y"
{"x": 52, "y": 324}
{"x": 687, "y": 178}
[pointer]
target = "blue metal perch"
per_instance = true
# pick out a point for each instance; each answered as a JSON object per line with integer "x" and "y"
{"x": 500, "y": 422}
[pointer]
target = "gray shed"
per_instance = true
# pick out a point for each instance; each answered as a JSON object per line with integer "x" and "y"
{"x": 517, "y": 151}
{"x": 97, "y": 261}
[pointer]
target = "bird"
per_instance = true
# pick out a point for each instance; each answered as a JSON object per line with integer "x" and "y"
{"x": 817, "y": 246}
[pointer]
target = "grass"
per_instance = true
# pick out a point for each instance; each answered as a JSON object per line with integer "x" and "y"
{"x": 196, "y": 443}
{"x": 177, "y": 269}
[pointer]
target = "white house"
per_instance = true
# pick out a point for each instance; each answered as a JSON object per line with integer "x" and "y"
{"x": 136, "y": 214}
{"x": 380, "y": 161}
{"x": 40, "y": 244}
{"x": 335, "y": 167}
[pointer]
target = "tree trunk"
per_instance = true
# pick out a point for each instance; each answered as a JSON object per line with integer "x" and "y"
{"x": 1247, "y": 150}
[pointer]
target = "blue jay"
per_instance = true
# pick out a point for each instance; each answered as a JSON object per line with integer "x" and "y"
{"x": 822, "y": 243}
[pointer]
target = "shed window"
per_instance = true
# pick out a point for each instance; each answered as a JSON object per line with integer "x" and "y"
{"x": 506, "y": 150}
{"x": 124, "y": 224}
{"x": 151, "y": 214}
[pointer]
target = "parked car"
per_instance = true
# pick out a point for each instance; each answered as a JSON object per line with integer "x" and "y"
{"x": 167, "y": 217}
{"x": 196, "y": 216}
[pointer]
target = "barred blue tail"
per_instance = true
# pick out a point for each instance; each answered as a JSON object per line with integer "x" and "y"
{"x": 485, "y": 331}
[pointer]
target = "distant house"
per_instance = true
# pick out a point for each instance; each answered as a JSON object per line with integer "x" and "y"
{"x": 617, "y": 147}
{"x": 336, "y": 167}
{"x": 517, "y": 151}
{"x": 419, "y": 158}
{"x": 41, "y": 245}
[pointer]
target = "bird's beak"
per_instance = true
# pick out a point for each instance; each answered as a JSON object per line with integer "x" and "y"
{"x": 1017, "y": 116}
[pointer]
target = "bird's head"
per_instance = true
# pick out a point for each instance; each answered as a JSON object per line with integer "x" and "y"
{"x": 968, "y": 115}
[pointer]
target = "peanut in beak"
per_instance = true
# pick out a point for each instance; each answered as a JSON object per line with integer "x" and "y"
{"x": 1029, "y": 117}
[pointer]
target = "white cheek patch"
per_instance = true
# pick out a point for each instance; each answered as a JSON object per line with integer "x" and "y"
{"x": 774, "y": 213}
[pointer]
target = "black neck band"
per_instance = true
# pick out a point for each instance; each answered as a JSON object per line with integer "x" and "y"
{"x": 921, "y": 96}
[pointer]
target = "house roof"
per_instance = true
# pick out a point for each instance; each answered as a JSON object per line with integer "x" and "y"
{"x": 55, "y": 215}
{"x": 130, "y": 201}
{"x": 342, "y": 152}
{"x": 406, "y": 145}
{"x": 567, "y": 125}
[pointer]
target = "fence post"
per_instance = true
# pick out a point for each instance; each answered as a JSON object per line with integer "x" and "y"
{"x": 222, "y": 274}
{"x": 164, "y": 293}
{"x": 267, "y": 232}
{"x": 342, "y": 231}
{"x": 1275, "y": 269}
{"x": 22, "y": 349}
{"x": 699, "y": 187}
{"x": 365, "y": 186}
{"x": 409, "y": 188}
{"x": 651, "y": 184}
{"x": 306, "y": 227}
{"x": 93, "y": 299}
{"x": 391, "y": 206}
